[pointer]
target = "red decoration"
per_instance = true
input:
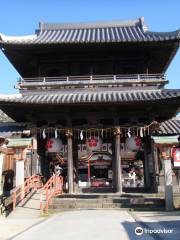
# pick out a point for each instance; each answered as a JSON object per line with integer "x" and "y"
{"x": 138, "y": 141}
{"x": 92, "y": 142}
{"x": 176, "y": 156}
{"x": 49, "y": 144}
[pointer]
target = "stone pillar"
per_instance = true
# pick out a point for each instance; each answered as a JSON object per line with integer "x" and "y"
{"x": 178, "y": 177}
{"x": 1, "y": 170}
{"x": 168, "y": 185}
{"x": 34, "y": 154}
{"x": 117, "y": 158}
{"x": 19, "y": 172}
{"x": 70, "y": 160}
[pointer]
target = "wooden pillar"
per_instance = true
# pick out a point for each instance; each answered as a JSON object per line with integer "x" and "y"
{"x": 75, "y": 164}
{"x": 156, "y": 159}
{"x": 117, "y": 159}
{"x": 113, "y": 164}
{"x": 146, "y": 163}
{"x": 34, "y": 154}
{"x": 70, "y": 160}
{"x": 156, "y": 166}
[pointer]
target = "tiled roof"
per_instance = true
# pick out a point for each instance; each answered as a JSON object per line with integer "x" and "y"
{"x": 19, "y": 142}
{"x": 74, "y": 96}
{"x": 120, "y": 31}
{"x": 9, "y": 128}
{"x": 170, "y": 127}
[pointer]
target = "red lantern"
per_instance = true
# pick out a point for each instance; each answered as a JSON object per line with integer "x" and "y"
{"x": 54, "y": 145}
{"x": 94, "y": 144}
{"x": 133, "y": 143}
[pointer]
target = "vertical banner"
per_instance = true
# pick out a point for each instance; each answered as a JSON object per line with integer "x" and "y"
{"x": 1, "y": 169}
{"x": 176, "y": 156}
{"x": 19, "y": 172}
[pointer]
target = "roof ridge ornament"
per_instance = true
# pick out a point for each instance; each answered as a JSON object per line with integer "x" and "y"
{"x": 142, "y": 24}
{"x": 82, "y": 25}
{"x": 41, "y": 26}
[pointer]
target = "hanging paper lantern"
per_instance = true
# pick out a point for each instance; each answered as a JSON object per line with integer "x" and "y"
{"x": 133, "y": 143}
{"x": 94, "y": 144}
{"x": 54, "y": 145}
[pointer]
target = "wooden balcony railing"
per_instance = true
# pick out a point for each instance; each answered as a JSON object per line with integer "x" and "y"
{"x": 89, "y": 80}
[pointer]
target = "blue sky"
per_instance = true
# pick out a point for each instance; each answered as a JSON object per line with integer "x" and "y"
{"x": 19, "y": 17}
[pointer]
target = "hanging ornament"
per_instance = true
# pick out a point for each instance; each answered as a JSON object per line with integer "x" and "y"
{"x": 44, "y": 134}
{"x": 137, "y": 132}
{"x": 129, "y": 133}
{"x": 81, "y": 135}
{"x": 144, "y": 131}
{"x": 55, "y": 133}
{"x": 102, "y": 133}
{"x": 141, "y": 132}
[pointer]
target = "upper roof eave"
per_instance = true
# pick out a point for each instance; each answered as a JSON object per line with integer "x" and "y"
{"x": 88, "y": 96}
{"x": 98, "y": 32}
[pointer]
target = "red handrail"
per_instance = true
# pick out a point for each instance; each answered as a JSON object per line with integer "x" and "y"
{"x": 20, "y": 192}
{"x": 53, "y": 187}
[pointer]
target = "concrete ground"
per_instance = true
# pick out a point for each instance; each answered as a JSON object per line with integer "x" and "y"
{"x": 21, "y": 219}
{"x": 85, "y": 224}
{"x": 169, "y": 222}
{"x": 26, "y": 223}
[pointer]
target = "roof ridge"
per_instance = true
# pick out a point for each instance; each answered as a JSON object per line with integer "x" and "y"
{"x": 97, "y": 24}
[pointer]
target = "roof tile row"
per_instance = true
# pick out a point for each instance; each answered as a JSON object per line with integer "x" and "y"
{"x": 92, "y": 96}
{"x": 134, "y": 31}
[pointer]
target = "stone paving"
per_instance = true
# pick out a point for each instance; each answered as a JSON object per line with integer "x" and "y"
{"x": 85, "y": 224}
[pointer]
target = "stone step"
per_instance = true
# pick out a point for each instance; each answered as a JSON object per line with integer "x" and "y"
{"x": 111, "y": 200}
{"x": 110, "y": 195}
{"x": 63, "y": 203}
